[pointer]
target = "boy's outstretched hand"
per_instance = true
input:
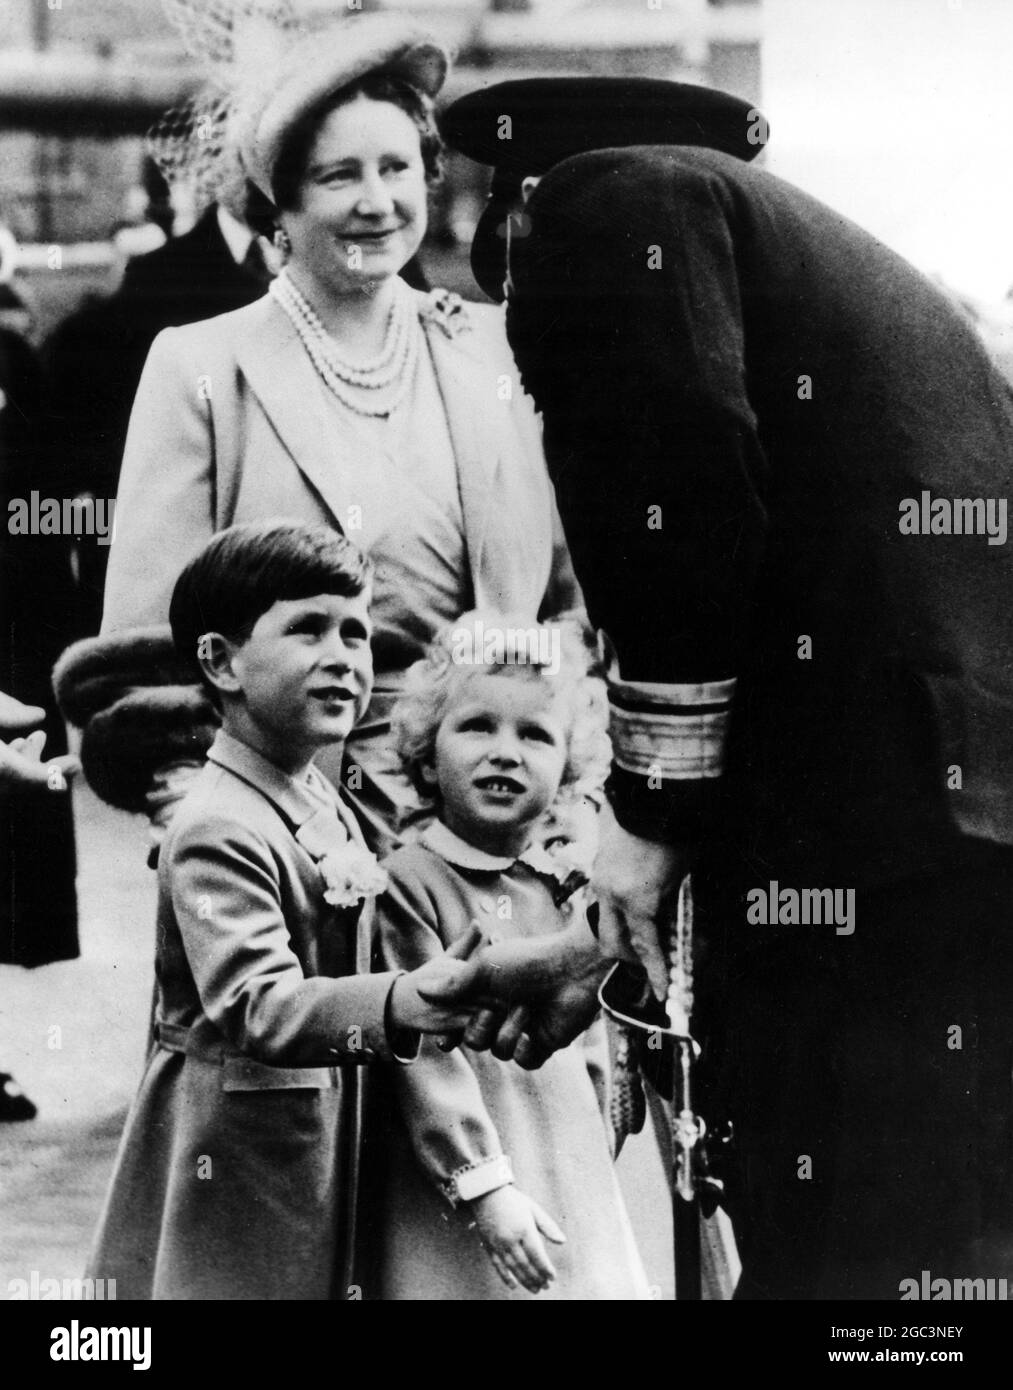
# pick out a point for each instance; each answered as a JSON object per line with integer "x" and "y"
{"x": 416, "y": 1002}
{"x": 511, "y": 1226}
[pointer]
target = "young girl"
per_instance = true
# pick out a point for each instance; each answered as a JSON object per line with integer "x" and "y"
{"x": 486, "y": 1154}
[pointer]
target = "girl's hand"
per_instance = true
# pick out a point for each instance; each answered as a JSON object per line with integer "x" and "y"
{"x": 511, "y": 1226}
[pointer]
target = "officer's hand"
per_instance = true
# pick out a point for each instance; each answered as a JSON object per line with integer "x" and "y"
{"x": 636, "y": 883}
{"x": 532, "y": 997}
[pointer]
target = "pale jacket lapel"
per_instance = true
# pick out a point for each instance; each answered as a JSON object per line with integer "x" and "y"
{"x": 285, "y": 382}
{"x": 318, "y": 831}
{"x": 468, "y": 387}
{"x": 297, "y": 807}
{"x": 283, "y": 378}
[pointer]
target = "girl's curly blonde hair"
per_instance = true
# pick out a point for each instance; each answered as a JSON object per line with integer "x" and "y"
{"x": 480, "y": 643}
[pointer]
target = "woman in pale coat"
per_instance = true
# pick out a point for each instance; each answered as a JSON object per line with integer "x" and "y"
{"x": 341, "y": 397}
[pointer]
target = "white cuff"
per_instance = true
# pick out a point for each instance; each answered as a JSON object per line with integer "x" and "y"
{"x": 476, "y": 1179}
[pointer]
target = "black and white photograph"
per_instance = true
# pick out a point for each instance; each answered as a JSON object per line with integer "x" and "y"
{"x": 506, "y": 713}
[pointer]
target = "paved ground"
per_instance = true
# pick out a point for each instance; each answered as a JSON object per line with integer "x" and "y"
{"x": 73, "y": 1035}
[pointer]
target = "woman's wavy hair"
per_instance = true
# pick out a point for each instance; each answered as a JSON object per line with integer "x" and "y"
{"x": 452, "y": 660}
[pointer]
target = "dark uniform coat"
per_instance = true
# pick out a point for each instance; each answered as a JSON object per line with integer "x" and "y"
{"x": 685, "y": 388}
{"x": 743, "y": 395}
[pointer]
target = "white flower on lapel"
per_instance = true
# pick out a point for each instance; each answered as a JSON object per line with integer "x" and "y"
{"x": 351, "y": 873}
{"x": 557, "y": 860}
{"x": 552, "y": 863}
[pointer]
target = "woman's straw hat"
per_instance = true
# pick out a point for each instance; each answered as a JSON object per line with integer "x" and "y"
{"x": 319, "y": 65}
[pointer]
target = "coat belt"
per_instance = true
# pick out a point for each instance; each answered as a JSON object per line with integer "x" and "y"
{"x": 240, "y": 1073}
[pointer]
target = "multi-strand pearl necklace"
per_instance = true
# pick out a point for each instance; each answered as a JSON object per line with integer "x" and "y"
{"x": 396, "y": 362}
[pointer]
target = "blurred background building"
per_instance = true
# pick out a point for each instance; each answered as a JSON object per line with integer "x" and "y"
{"x": 82, "y": 80}
{"x": 893, "y": 111}
{"x": 896, "y": 112}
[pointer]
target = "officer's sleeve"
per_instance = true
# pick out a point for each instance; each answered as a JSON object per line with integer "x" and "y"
{"x": 627, "y": 323}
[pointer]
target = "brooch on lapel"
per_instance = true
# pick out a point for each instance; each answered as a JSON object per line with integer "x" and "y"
{"x": 447, "y": 311}
{"x": 351, "y": 873}
{"x": 562, "y": 865}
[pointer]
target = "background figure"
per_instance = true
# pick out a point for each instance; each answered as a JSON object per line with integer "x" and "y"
{"x": 38, "y": 913}
{"x": 38, "y": 906}
{"x": 97, "y": 354}
{"x": 24, "y": 778}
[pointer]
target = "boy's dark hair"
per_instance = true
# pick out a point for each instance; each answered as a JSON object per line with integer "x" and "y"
{"x": 246, "y": 569}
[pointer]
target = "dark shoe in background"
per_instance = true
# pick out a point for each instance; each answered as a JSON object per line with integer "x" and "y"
{"x": 14, "y": 1104}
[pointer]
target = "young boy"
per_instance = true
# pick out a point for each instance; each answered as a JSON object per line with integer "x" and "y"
{"x": 237, "y": 1172}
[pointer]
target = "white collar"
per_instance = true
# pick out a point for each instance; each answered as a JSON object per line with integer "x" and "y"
{"x": 442, "y": 841}
{"x": 237, "y": 235}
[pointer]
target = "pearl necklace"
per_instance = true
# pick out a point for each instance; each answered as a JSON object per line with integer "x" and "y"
{"x": 396, "y": 362}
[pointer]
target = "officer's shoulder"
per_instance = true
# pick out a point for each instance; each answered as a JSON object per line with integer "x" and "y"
{"x": 611, "y": 191}
{"x": 640, "y": 162}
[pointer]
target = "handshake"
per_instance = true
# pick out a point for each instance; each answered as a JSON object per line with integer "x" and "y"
{"x": 520, "y": 999}
{"x": 523, "y": 1000}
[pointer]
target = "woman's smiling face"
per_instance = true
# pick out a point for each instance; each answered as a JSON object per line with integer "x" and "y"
{"x": 362, "y": 208}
